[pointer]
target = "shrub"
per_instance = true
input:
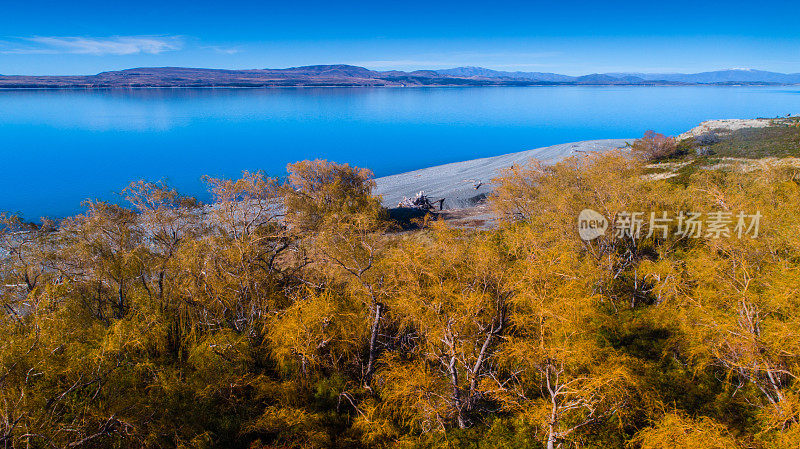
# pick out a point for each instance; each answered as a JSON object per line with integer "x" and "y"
{"x": 320, "y": 189}
{"x": 654, "y": 146}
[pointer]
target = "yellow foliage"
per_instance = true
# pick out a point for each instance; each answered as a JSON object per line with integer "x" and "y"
{"x": 676, "y": 431}
{"x": 290, "y": 315}
{"x": 316, "y": 189}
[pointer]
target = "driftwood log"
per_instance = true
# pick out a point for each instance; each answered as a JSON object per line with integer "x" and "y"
{"x": 420, "y": 201}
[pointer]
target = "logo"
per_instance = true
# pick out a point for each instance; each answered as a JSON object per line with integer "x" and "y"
{"x": 695, "y": 225}
{"x": 591, "y": 224}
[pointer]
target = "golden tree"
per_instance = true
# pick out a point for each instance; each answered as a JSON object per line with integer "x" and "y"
{"x": 318, "y": 188}
{"x": 449, "y": 295}
{"x": 556, "y": 371}
{"x": 741, "y": 312}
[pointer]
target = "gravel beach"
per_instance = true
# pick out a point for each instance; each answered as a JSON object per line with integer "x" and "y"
{"x": 463, "y": 184}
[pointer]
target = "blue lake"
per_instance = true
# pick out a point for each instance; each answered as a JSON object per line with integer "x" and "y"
{"x": 60, "y": 147}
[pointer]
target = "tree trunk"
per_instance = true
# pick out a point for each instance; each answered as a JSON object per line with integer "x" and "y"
{"x": 551, "y": 439}
{"x": 493, "y": 330}
{"x": 775, "y": 385}
{"x": 373, "y": 341}
{"x": 462, "y": 424}
{"x": 161, "y": 286}
{"x": 120, "y": 301}
{"x": 551, "y": 434}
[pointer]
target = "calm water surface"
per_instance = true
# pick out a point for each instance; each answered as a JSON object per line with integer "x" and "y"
{"x": 60, "y": 147}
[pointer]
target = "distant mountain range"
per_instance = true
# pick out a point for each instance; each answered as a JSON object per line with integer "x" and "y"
{"x": 747, "y": 76}
{"x": 347, "y": 75}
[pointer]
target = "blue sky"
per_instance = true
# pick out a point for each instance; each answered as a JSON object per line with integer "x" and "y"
{"x": 86, "y": 37}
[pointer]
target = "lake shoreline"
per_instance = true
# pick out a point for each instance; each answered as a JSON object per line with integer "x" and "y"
{"x": 366, "y": 86}
{"x": 466, "y": 183}
{"x": 95, "y": 142}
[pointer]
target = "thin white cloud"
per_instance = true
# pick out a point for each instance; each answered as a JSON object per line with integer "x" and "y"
{"x": 114, "y": 45}
{"x": 222, "y": 50}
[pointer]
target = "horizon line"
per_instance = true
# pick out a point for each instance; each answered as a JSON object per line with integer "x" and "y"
{"x": 367, "y": 67}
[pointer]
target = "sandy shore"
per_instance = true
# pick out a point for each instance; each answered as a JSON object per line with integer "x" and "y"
{"x": 463, "y": 184}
